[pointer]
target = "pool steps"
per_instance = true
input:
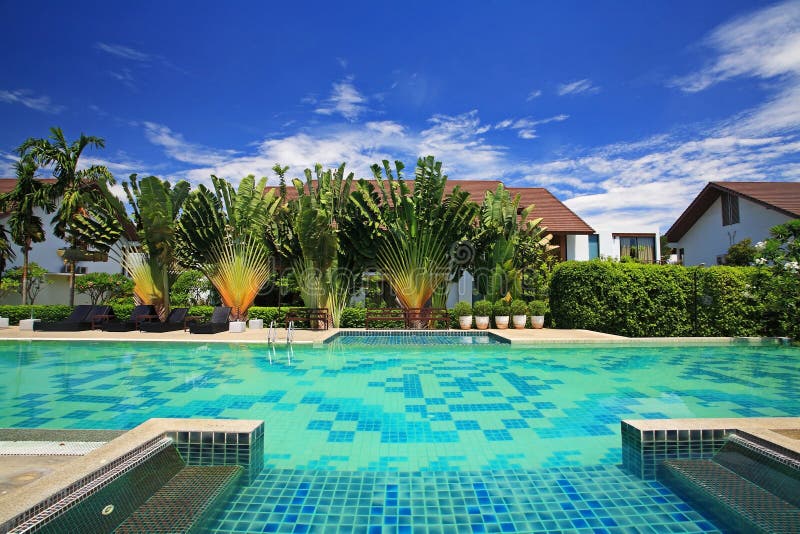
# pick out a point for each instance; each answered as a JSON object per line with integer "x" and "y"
{"x": 152, "y": 491}
{"x": 748, "y": 486}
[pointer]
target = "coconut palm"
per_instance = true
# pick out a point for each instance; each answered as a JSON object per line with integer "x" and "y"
{"x": 222, "y": 233}
{"x": 6, "y": 251}
{"x": 75, "y": 188}
{"x": 28, "y": 196}
{"x": 415, "y": 230}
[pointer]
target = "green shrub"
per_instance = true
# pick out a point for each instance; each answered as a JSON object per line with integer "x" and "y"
{"x": 55, "y": 312}
{"x": 501, "y": 308}
{"x": 462, "y": 309}
{"x": 482, "y": 308}
{"x": 518, "y": 307}
{"x": 353, "y": 318}
{"x": 537, "y": 307}
{"x": 639, "y": 300}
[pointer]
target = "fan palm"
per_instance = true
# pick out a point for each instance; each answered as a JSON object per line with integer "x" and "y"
{"x": 223, "y": 235}
{"x": 415, "y": 230}
{"x": 144, "y": 239}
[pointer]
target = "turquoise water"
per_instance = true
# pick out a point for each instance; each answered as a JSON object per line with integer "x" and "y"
{"x": 467, "y": 436}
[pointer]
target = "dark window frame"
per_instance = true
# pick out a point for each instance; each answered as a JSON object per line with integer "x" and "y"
{"x": 730, "y": 209}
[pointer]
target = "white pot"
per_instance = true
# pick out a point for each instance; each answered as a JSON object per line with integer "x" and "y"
{"x": 537, "y": 321}
{"x": 501, "y": 321}
{"x": 519, "y": 320}
{"x": 482, "y": 322}
{"x": 465, "y": 322}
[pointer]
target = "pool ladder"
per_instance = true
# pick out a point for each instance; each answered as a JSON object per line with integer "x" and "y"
{"x": 272, "y": 334}
{"x": 290, "y": 332}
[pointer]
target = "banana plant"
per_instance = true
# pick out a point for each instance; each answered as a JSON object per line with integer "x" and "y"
{"x": 222, "y": 233}
{"x": 415, "y": 229}
{"x": 507, "y": 244}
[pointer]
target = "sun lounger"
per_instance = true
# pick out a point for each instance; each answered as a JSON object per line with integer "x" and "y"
{"x": 176, "y": 320}
{"x": 218, "y": 322}
{"x": 141, "y": 314}
{"x": 81, "y": 318}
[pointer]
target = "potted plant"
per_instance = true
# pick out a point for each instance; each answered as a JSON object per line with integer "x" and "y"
{"x": 537, "y": 309}
{"x": 463, "y": 310}
{"x": 483, "y": 311}
{"x": 501, "y": 314}
{"x": 519, "y": 313}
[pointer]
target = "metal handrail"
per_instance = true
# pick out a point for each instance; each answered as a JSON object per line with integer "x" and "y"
{"x": 290, "y": 332}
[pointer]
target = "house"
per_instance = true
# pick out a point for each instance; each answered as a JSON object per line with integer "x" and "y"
{"x": 46, "y": 255}
{"x": 725, "y": 213}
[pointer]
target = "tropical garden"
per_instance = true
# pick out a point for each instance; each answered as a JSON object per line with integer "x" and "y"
{"x": 322, "y": 233}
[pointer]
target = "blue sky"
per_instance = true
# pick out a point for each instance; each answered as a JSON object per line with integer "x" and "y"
{"x": 624, "y": 110}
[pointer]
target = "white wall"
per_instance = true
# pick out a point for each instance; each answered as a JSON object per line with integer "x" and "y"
{"x": 578, "y": 247}
{"x": 46, "y": 255}
{"x": 609, "y": 243}
{"x": 707, "y": 238}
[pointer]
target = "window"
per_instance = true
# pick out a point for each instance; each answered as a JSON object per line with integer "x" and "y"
{"x": 641, "y": 248}
{"x": 594, "y": 246}
{"x": 730, "y": 209}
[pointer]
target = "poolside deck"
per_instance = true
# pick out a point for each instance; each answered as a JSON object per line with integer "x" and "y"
{"x": 528, "y": 335}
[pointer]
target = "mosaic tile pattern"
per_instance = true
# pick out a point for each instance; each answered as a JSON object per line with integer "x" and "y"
{"x": 413, "y": 337}
{"x": 581, "y": 499}
{"x": 344, "y": 411}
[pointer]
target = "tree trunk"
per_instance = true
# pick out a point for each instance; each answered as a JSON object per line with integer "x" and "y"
{"x": 72, "y": 283}
{"x": 25, "y": 274}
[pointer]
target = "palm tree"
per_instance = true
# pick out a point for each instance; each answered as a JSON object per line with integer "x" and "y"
{"x": 6, "y": 252}
{"x": 415, "y": 230}
{"x": 223, "y": 235}
{"x": 28, "y": 195}
{"x": 144, "y": 239}
{"x": 74, "y": 188}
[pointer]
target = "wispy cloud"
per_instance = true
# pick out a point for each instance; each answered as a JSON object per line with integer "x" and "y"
{"x": 29, "y": 100}
{"x": 536, "y": 93}
{"x": 345, "y": 100}
{"x": 762, "y": 44}
{"x": 178, "y": 148}
{"x": 578, "y": 87}
{"x": 124, "y": 52}
{"x": 125, "y": 76}
{"x": 526, "y": 128}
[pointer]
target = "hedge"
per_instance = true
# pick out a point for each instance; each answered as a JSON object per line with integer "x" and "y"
{"x": 639, "y": 300}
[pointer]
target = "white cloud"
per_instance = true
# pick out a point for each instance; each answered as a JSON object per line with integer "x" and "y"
{"x": 178, "y": 148}
{"x": 29, "y": 100}
{"x": 578, "y": 87}
{"x": 526, "y": 128}
{"x": 124, "y": 52}
{"x": 536, "y": 93}
{"x": 125, "y": 76}
{"x": 344, "y": 100}
{"x": 762, "y": 44}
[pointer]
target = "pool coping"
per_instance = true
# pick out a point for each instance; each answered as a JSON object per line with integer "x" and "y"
{"x": 648, "y": 442}
{"x": 516, "y": 337}
{"x": 27, "y": 501}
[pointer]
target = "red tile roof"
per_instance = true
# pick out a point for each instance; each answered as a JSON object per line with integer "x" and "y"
{"x": 557, "y": 217}
{"x": 783, "y": 197}
{"x": 7, "y": 184}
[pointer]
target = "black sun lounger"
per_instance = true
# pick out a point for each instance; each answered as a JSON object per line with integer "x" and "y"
{"x": 141, "y": 314}
{"x": 218, "y": 322}
{"x": 80, "y": 319}
{"x": 175, "y": 321}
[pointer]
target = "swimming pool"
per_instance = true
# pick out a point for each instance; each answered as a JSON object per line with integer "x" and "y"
{"x": 379, "y": 438}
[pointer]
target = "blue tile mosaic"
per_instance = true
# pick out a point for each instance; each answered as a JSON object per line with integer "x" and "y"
{"x": 369, "y": 429}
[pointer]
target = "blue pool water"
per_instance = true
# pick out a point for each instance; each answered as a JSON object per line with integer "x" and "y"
{"x": 377, "y": 438}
